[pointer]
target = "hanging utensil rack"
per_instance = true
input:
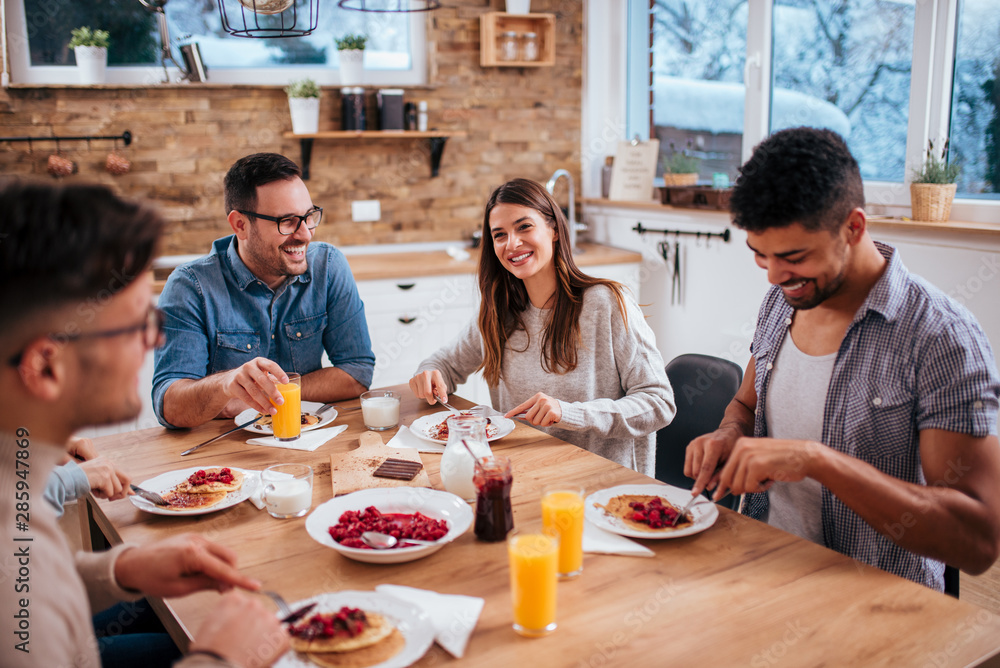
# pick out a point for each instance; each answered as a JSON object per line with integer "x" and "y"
{"x": 125, "y": 138}
{"x": 725, "y": 235}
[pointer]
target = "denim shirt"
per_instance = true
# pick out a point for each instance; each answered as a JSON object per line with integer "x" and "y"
{"x": 912, "y": 359}
{"x": 219, "y": 315}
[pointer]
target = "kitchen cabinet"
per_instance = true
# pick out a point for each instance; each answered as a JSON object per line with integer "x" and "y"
{"x": 411, "y": 318}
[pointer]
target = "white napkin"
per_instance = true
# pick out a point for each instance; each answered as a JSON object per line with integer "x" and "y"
{"x": 596, "y": 539}
{"x": 405, "y": 438}
{"x": 453, "y": 616}
{"x": 309, "y": 440}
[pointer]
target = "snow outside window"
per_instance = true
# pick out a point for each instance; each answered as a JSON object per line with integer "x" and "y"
{"x": 847, "y": 65}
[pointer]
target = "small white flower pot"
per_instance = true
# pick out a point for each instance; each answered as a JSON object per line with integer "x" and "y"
{"x": 91, "y": 63}
{"x": 518, "y": 6}
{"x": 351, "y": 67}
{"x": 305, "y": 115}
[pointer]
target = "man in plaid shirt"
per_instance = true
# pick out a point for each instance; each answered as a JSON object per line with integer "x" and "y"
{"x": 867, "y": 418}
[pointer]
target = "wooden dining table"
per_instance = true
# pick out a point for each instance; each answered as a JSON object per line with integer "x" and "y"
{"x": 740, "y": 593}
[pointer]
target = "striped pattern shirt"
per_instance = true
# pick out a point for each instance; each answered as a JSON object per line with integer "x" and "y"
{"x": 912, "y": 359}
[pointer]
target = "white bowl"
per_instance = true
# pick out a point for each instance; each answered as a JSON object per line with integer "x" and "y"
{"x": 430, "y": 502}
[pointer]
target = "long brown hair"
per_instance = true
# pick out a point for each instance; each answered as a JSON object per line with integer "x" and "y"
{"x": 504, "y": 297}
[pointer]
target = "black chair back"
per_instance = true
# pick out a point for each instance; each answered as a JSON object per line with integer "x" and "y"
{"x": 703, "y": 387}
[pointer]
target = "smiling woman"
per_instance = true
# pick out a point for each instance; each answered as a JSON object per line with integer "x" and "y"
{"x": 571, "y": 351}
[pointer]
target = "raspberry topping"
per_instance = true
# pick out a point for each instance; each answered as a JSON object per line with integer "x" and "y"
{"x": 345, "y": 623}
{"x": 347, "y": 531}
{"x": 201, "y": 477}
{"x": 654, "y": 513}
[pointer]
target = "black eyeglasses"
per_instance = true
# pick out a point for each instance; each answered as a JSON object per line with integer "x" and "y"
{"x": 288, "y": 225}
{"x": 151, "y": 328}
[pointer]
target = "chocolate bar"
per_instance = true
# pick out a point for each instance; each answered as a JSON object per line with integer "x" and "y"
{"x": 398, "y": 469}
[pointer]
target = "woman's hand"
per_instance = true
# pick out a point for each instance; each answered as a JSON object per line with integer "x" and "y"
{"x": 429, "y": 385}
{"x": 540, "y": 410}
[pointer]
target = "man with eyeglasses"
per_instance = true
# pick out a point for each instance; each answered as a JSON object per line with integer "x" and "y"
{"x": 75, "y": 293}
{"x": 265, "y": 302}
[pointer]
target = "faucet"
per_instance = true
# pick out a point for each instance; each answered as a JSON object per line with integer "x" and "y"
{"x": 571, "y": 216}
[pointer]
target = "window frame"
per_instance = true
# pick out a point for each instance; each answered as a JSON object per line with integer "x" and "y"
{"x": 935, "y": 24}
{"x": 23, "y": 72}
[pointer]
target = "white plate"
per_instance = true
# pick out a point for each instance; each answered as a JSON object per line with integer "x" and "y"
{"x": 431, "y": 502}
{"x": 412, "y": 622}
{"x": 328, "y": 416}
{"x": 167, "y": 481}
{"x": 424, "y": 423}
{"x": 703, "y": 514}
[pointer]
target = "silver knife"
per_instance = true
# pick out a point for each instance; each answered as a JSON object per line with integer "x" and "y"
{"x": 152, "y": 497}
{"x": 227, "y": 433}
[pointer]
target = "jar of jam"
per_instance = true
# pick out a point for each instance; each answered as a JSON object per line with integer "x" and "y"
{"x": 493, "y": 480}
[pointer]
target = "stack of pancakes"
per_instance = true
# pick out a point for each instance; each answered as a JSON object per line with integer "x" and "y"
{"x": 202, "y": 489}
{"x": 369, "y": 639}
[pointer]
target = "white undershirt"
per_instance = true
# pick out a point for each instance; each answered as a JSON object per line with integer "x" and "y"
{"x": 796, "y": 397}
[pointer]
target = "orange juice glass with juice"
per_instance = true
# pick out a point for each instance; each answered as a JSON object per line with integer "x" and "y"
{"x": 534, "y": 558}
{"x": 287, "y": 423}
{"x": 562, "y": 512}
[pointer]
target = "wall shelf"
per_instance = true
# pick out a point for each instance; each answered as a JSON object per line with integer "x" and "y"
{"x": 436, "y": 139}
{"x": 493, "y": 24}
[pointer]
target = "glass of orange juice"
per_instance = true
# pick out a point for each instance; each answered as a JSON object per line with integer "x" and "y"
{"x": 562, "y": 512}
{"x": 533, "y": 555}
{"x": 287, "y": 423}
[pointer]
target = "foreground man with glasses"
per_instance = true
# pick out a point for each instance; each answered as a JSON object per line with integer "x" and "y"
{"x": 265, "y": 302}
{"x": 867, "y": 418}
{"x": 75, "y": 292}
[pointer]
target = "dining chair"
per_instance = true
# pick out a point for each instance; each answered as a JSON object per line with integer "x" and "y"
{"x": 703, "y": 387}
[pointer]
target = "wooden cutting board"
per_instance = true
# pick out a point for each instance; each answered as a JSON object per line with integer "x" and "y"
{"x": 353, "y": 470}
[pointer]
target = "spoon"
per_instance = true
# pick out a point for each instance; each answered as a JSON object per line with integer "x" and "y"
{"x": 383, "y": 541}
{"x": 475, "y": 460}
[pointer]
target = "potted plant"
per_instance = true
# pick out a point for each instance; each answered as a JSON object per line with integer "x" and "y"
{"x": 351, "y": 51}
{"x": 680, "y": 168}
{"x": 518, "y": 6}
{"x": 91, "y": 50}
{"x": 932, "y": 187}
{"x": 303, "y": 104}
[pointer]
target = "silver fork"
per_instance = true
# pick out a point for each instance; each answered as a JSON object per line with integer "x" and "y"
{"x": 287, "y": 615}
{"x": 685, "y": 509}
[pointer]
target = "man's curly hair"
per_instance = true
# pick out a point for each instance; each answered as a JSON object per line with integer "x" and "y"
{"x": 800, "y": 175}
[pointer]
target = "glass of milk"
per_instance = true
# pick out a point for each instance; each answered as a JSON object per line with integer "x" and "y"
{"x": 287, "y": 490}
{"x": 380, "y": 409}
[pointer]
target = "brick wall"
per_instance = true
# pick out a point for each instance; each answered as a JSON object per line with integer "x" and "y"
{"x": 519, "y": 122}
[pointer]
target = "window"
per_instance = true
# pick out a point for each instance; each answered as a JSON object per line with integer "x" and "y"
{"x": 725, "y": 73}
{"x": 394, "y": 53}
{"x": 845, "y": 66}
{"x": 698, "y": 59}
{"x": 975, "y": 101}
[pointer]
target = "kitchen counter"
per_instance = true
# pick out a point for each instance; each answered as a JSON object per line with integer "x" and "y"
{"x": 374, "y": 265}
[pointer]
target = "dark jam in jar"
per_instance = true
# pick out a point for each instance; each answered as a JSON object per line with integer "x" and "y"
{"x": 493, "y": 480}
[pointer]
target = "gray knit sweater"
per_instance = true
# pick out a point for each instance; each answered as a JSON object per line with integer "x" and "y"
{"x": 612, "y": 403}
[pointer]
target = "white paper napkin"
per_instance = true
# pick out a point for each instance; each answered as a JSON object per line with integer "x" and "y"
{"x": 309, "y": 440}
{"x": 405, "y": 438}
{"x": 453, "y": 616}
{"x": 597, "y": 540}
